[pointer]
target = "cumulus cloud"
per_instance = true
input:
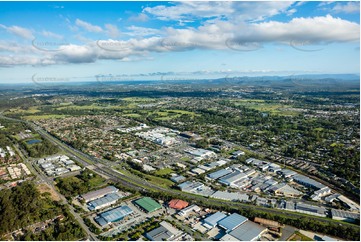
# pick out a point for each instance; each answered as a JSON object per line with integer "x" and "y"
{"x": 112, "y": 30}
{"x": 349, "y": 7}
{"x": 87, "y": 26}
{"x": 142, "y": 17}
{"x": 236, "y": 11}
{"x": 51, "y": 35}
{"x": 19, "y": 31}
{"x": 241, "y": 23}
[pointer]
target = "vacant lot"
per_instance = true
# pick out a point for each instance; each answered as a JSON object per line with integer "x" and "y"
{"x": 43, "y": 188}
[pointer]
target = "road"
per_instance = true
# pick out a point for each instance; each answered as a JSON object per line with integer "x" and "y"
{"x": 104, "y": 168}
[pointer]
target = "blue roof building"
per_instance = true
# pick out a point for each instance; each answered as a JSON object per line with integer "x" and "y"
{"x": 211, "y": 221}
{"x": 231, "y": 222}
{"x": 105, "y": 201}
{"x": 113, "y": 215}
{"x": 248, "y": 231}
{"x": 217, "y": 174}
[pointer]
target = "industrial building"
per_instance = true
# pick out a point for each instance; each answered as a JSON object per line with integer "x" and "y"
{"x": 344, "y": 215}
{"x": 218, "y": 174}
{"x": 192, "y": 208}
{"x": 99, "y": 193}
{"x": 113, "y": 215}
{"x": 230, "y": 179}
{"x": 232, "y": 221}
{"x": 103, "y": 202}
{"x": 164, "y": 232}
{"x": 177, "y": 178}
{"x": 286, "y": 173}
{"x": 230, "y": 196}
{"x": 189, "y": 186}
{"x": 248, "y": 231}
{"x": 308, "y": 182}
{"x": 310, "y": 209}
{"x": 205, "y": 154}
{"x": 178, "y": 204}
{"x": 211, "y": 221}
{"x": 148, "y": 204}
{"x": 286, "y": 190}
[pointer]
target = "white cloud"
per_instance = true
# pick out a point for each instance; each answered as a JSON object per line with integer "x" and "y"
{"x": 89, "y": 27}
{"x": 349, "y": 7}
{"x": 211, "y": 35}
{"x": 112, "y": 30}
{"x": 19, "y": 31}
{"x": 142, "y": 17}
{"x": 141, "y": 31}
{"x": 51, "y": 35}
{"x": 236, "y": 11}
{"x": 291, "y": 11}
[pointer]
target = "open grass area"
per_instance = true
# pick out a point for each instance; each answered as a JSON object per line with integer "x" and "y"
{"x": 153, "y": 179}
{"x": 48, "y": 116}
{"x": 170, "y": 114}
{"x": 297, "y": 236}
{"x": 43, "y": 188}
{"x": 164, "y": 171}
{"x": 132, "y": 115}
{"x": 30, "y": 110}
{"x": 79, "y": 184}
{"x": 262, "y": 106}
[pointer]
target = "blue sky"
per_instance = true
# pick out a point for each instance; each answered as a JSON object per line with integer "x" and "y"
{"x": 170, "y": 40}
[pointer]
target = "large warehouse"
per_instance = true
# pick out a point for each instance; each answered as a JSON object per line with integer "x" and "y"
{"x": 113, "y": 215}
{"x": 148, "y": 204}
{"x": 99, "y": 193}
{"x": 232, "y": 221}
{"x": 248, "y": 231}
{"x": 103, "y": 202}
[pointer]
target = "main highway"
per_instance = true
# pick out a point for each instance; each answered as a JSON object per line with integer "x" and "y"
{"x": 104, "y": 168}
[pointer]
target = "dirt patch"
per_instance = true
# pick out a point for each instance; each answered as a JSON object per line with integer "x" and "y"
{"x": 43, "y": 187}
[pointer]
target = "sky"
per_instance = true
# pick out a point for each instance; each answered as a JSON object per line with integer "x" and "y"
{"x": 84, "y": 41}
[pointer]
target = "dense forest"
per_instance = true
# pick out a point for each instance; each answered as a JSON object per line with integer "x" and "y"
{"x": 23, "y": 205}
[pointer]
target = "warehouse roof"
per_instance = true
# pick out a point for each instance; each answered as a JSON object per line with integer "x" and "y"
{"x": 164, "y": 232}
{"x": 148, "y": 204}
{"x": 233, "y": 221}
{"x": 309, "y": 181}
{"x": 344, "y": 214}
{"x": 99, "y": 193}
{"x": 231, "y": 196}
{"x": 113, "y": 215}
{"x": 109, "y": 198}
{"x": 178, "y": 204}
{"x": 235, "y": 176}
{"x": 310, "y": 208}
{"x": 214, "y": 218}
{"x": 217, "y": 174}
{"x": 248, "y": 231}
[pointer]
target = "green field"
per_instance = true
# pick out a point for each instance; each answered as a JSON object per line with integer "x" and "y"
{"x": 164, "y": 171}
{"x": 30, "y": 110}
{"x": 297, "y": 236}
{"x": 262, "y": 106}
{"x": 48, "y": 116}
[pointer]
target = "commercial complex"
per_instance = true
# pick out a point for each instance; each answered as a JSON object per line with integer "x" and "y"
{"x": 148, "y": 204}
{"x": 232, "y": 221}
{"x": 164, "y": 232}
{"x": 211, "y": 221}
{"x": 103, "y": 202}
{"x": 113, "y": 215}
{"x": 99, "y": 193}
